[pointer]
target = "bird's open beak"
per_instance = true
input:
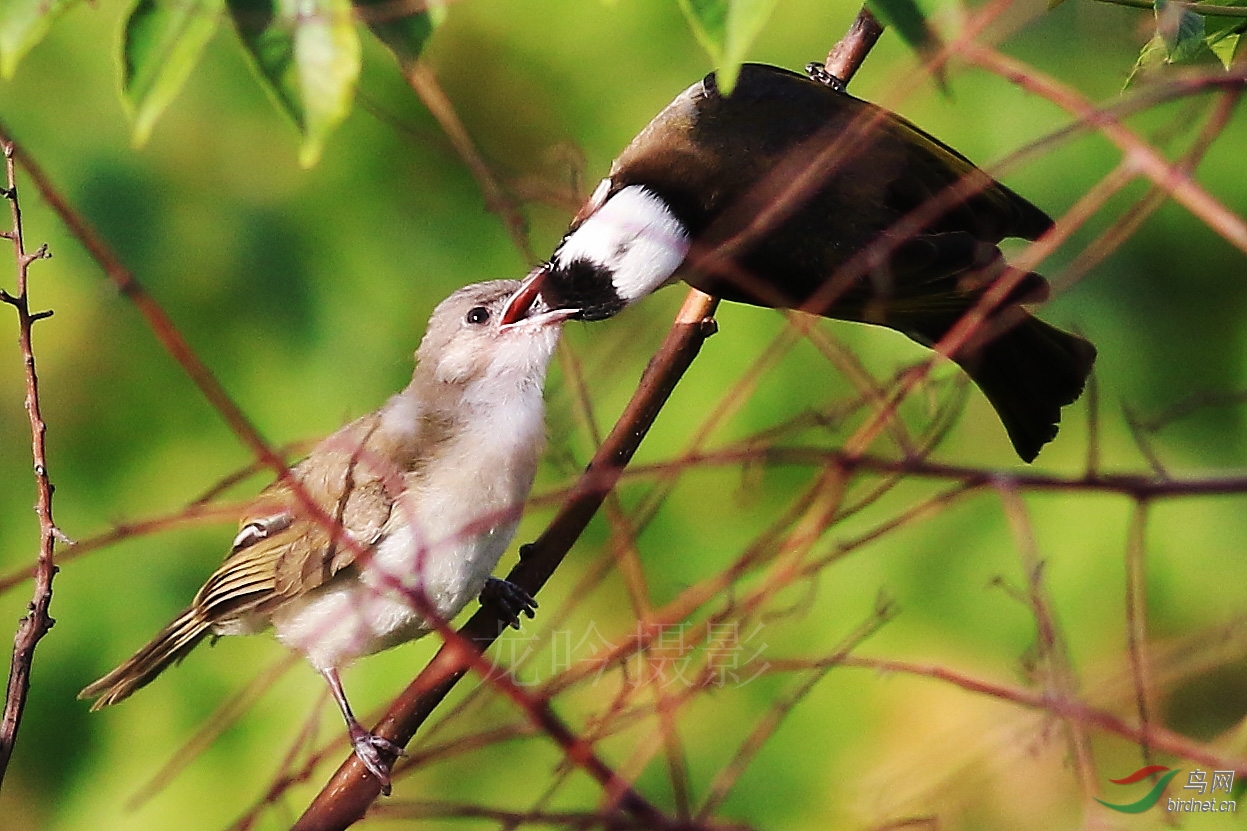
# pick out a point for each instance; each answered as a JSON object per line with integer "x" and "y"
{"x": 521, "y": 302}
{"x": 526, "y": 305}
{"x": 519, "y": 308}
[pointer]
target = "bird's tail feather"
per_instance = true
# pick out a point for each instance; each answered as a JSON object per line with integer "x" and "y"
{"x": 1028, "y": 373}
{"x": 169, "y": 646}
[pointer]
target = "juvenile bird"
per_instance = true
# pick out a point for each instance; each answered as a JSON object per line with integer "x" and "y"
{"x": 395, "y": 521}
{"x": 805, "y": 190}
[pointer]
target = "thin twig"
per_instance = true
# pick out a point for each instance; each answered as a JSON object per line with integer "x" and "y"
{"x": 1133, "y": 485}
{"x": 192, "y": 515}
{"x": 1057, "y": 672}
{"x": 1159, "y": 738}
{"x": 37, "y": 621}
{"x": 720, "y": 788}
{"x": 171, "y": 339}
{"x": 226, "y": 714}
{"x": 424, "y": 83}
{"x": 1173, "y": 178}
{"x": 1136, "y": 622}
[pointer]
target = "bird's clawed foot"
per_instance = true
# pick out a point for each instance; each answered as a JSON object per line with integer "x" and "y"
{"x": 377, "y": 754}
{"x": 508, "y": 600}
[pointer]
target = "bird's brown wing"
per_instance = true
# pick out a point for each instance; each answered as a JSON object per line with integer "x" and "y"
{"x": 286, "y": 548}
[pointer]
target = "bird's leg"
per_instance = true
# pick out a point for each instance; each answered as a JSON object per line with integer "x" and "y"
{"x": 508, "y": 600}
{"x": 367, "y": 746}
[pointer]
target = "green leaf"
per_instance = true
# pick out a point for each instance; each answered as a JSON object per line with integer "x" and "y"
{"x": 708, "y": 20}
{"x": 726, "y": 29}
{"x": 307, "y": 55}
{"x": 404, "y": 26}
{"x": 1182, "y": 30}
{"x": 162, "y": 42}
{"x": 1225, "y": 46}
{"x": 23, "y": 23}
{"x": 1225, "y": 35}
{"x": 1185, "y": 37}
{"x": 1153, "y": 55}
{"x": 909, "y": 21}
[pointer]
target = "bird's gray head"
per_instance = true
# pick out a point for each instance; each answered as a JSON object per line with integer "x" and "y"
{"x": 623, "y": 245}
{"x": 470, "y": 338}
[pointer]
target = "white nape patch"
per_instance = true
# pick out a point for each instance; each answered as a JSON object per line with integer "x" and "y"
{"x": 635, "y": 236}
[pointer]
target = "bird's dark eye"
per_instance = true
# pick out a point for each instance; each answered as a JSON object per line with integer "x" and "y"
{"x": 478, "y": 315}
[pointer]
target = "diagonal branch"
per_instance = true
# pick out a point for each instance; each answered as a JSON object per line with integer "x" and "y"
{"x": 1172, "y": 177}
{"x": 424, "y": 83}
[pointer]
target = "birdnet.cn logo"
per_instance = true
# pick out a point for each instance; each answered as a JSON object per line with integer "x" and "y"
{"x": 1202, "y": 782}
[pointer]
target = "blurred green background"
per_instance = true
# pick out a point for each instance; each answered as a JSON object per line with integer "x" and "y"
{"x": 306, "y": 292}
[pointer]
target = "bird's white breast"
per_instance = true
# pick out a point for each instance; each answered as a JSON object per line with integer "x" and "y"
{"x": 447, "y": 531}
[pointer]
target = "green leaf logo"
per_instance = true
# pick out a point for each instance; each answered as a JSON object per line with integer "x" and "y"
{"x": 1152, "y": 797}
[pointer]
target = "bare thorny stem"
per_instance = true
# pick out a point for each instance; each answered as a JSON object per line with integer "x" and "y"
{"x": 37, "y": 620}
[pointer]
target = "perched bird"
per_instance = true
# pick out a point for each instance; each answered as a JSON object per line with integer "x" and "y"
{"x": 804, "y": 193}
{"x": 395, "y": 521}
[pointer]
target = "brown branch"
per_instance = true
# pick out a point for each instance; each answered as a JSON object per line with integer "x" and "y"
{"x": 431, "y": 810}
{"x": 193, "y": 514}
{"x": 1056, "y": 670}
{"x": 1133, "y": 485}
{"x": 351, "y": 790}
{"x": 720, "y": 788}
{"x": 201, "y": 509}
{"x": 212, "y": 728}
{"x": 1133, "y": 218}
{"x": 1137, "y": 647}
{"x": 171, "y": 339}
{"x": 36, "y": 623}
{"x": 847, "y": 56}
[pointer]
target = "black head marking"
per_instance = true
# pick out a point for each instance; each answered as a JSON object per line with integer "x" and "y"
{"x": 585, "y": 285}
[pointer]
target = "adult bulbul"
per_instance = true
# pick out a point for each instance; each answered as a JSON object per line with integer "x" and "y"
{"x": 807, "y": 198}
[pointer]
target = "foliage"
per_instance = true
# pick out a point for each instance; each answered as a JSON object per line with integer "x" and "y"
{"x": 786, "y": 688}
{"x": 1188, "y": 37}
